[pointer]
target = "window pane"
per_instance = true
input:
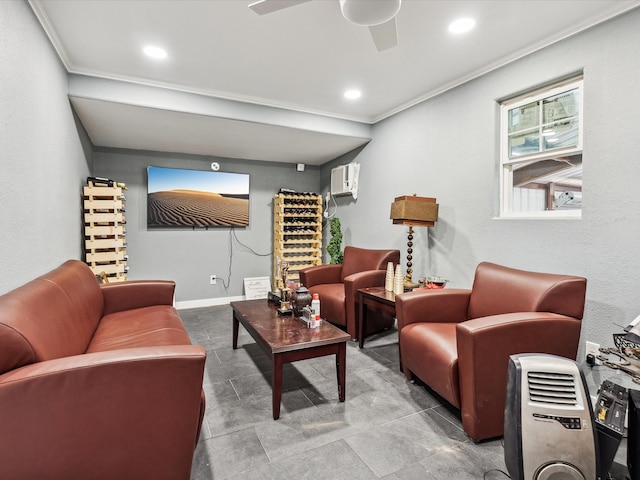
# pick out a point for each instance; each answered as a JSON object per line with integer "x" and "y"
{"x": 529, "y": 200}
{"x": 561, "y": 134}
{"x": 524, "y": 143}
{"x": 526, "y": 116}
{"x": 560, "y": 106}
{"x": 551, "y": 184}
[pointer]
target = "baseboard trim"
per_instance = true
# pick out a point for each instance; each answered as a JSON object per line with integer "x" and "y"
{"x": 207, "y": 302}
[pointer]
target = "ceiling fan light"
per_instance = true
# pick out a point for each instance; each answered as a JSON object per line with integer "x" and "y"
{"x": 368, "y": 13}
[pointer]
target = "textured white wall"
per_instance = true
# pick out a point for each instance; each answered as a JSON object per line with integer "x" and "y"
{"x": 447, "y": 147}
{"x": 42, "y": 162}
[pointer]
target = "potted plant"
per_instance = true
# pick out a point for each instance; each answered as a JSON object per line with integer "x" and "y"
{"x": 335, "y": 243}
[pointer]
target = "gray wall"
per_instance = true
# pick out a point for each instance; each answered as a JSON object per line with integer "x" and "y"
{"x": 447, "y": 147}
{"x": 44, "y": 156}
{"x": 190, "y": 256}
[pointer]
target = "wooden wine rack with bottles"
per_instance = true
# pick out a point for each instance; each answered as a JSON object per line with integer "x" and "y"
{"x": 104, "y": 232}
{"x": 297, "y": 232}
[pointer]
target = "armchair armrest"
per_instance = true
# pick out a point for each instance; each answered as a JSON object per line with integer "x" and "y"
{"x": 320, "y": 274}
{"x": 484, "y": 346}
{"x": 131, "y": 413}
{"x": 136, "y": 294}
{"x": 442, "y": 306}
{"x": 369, "y": 278}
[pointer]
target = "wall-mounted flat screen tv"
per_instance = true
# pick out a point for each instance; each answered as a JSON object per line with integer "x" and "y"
{"x": 196, "y": 198}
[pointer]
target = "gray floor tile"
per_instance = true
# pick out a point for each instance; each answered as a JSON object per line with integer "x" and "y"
{"x": 314, "y": 465}
{"x": 395, "y": 445}
{"x": 304, "y": 430}
{"x": 253, "y": 411}
{"x": 271, "y": 471}
{"x": 222, "y": 457}
{"x": 466, "y": 461}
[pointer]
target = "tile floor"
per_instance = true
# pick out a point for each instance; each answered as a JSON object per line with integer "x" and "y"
{"x": 387, "y": 428}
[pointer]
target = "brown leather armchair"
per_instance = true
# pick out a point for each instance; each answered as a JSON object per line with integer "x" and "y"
{"x": 458, "y": 341}
{"x": 338, "y": 284}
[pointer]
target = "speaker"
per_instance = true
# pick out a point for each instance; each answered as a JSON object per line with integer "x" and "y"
{"x": 549, "y": 432}
{"x": 633, "y": 435}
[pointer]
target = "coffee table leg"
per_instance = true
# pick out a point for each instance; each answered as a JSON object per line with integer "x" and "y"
{"x": 341, "y": 368}
{"x": 276, "y": 385}
{"x": 236, "y": 324}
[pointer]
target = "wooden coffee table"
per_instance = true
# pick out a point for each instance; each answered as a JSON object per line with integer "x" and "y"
{"x": 287, "y": 339}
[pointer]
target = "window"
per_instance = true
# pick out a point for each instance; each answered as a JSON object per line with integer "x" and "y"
{"x": 541, "y": 152}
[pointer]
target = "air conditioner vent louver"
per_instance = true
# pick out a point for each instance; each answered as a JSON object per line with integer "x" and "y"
{"x": 552, "y": 388}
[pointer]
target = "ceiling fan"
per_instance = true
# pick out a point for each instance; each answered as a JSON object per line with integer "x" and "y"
{"x": 378, "y": 15}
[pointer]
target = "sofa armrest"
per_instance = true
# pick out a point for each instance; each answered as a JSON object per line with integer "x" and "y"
{"x": 484, "y": 346}
{"x": 442, "y": 306}
{"x": 131, "y": 413}
{"x": 123, "y": 296}
{"x": 320, "y": 275}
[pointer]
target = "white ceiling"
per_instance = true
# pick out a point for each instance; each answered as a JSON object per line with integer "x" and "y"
{"x": 301, "y": 59}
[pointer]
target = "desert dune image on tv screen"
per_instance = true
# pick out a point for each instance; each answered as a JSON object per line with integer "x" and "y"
{"x": 196, "y": 198}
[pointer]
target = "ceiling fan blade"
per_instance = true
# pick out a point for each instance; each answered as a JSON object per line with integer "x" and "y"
{"x": 385, "y": 35}
{"x": 262, "y": 7}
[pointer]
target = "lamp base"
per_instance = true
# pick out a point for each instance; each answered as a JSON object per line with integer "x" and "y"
{"x": 409, "y": 284}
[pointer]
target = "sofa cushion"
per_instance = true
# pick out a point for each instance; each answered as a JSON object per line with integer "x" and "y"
{"x": 331, "y": 301}
{"x": 53, "y": 316}
{"x": 153, "y": 326}
{"x": 430, "y": 351}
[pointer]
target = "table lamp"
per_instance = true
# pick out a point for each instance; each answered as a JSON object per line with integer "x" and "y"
{"x": 413, "y": 211}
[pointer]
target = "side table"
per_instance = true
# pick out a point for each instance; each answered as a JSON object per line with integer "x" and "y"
{"x": 375, "y": 298}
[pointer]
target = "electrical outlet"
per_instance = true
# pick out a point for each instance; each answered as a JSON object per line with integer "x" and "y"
{"x": 213, "y": 279}
{"x": 593, "y": 349}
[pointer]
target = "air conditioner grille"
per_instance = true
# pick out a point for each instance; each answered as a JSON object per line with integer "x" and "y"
{"x": 552, "y": 388}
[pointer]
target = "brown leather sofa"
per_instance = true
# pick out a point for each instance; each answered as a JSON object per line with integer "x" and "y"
{"x": 458, "y": 342}
{"x": 338, "y": 284}
{"x": 96, "y": 381}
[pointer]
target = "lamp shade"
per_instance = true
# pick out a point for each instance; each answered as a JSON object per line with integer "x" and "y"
{"x": 414, "y": 211}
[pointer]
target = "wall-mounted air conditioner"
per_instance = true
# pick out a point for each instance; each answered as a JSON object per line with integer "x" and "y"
{"x": 344, "y": 180}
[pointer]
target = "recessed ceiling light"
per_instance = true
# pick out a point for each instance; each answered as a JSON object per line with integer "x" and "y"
{"x": 155, "y": 52}
{"x": 352, "y": 94}
{"x": 462, "y": 25}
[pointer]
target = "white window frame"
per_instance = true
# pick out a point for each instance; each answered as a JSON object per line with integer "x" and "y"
{"x": 506, "y": 163}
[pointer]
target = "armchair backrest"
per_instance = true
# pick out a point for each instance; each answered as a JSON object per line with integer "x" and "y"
{"x": 497, "y": 290}
{"x": 362, "y": 259}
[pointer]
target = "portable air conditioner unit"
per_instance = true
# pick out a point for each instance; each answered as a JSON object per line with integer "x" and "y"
{"x": 344, "y": 180}
{"x": 549, "y": 432}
